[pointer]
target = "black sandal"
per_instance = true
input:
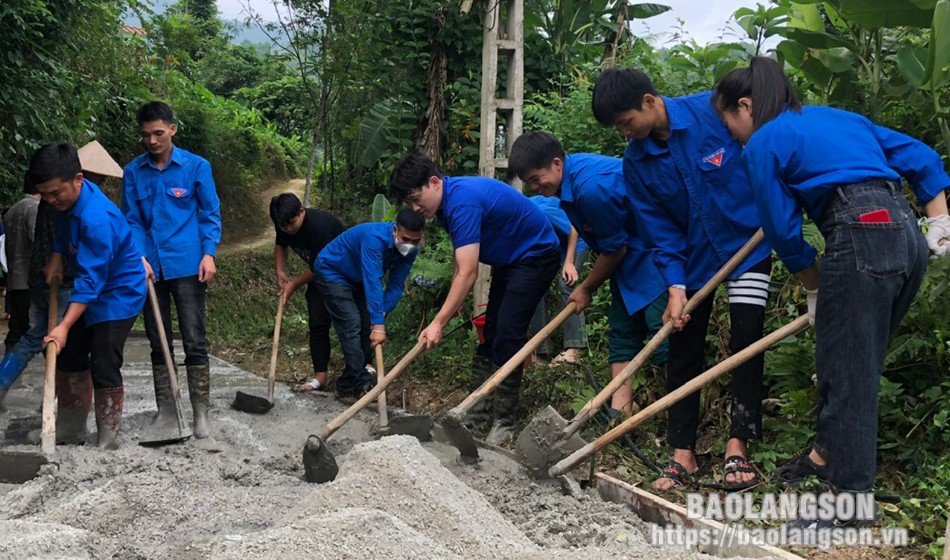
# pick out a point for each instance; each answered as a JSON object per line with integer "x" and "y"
{"x": 677, "y": 473}
{"x": 801, "y": 468}
{"x": 737, "y": 464}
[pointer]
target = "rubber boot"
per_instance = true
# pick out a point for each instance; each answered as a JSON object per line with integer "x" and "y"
{"x": 108, "y": 414}
{"x": 199, "y": 390}
{"x": 10, "y": 369}
{"x": 506, "y": 404}
{"x": 479, "y": 416}
{"x": 74, "y": 397}
{"x": 166, "y": 419}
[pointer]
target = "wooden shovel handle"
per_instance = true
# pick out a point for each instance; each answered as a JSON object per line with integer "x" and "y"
{"x": 272, "y": 372}
{"x": 369, "y": 397}
{"x": 380, "y": 374}
{"x": 512, "y": 364}
{"x": 48, "y": 434}
{"x": 641, "y": 358}
{"x": 672, "y": 398}
{"x": 166, "y": 350}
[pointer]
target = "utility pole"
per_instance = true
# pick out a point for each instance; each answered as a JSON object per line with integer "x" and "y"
{"x": 502, "y": 118}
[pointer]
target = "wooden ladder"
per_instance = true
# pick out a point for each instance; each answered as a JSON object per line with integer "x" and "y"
{"x": 502, "y": 118}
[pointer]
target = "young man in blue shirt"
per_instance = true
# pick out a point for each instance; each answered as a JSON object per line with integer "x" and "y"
{"x": 350, "y": 274}
{"x": 170, "y": 202}
{"x": 97, "y": 165}
{"x": 696, "y": 210}
{"x": 108, "y": 292}
{"x": 592, "y": 193}
{"x": 492, "y": 223}
{"x": 306, "y": 231}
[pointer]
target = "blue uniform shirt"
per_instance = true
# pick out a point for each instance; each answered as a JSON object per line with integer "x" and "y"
{"x": 692, "y": 195}
{"x": 360, "y": 257}
{"x": 174, "y": 212}
{"x": 110, "y": 276}
{"x": 797, "y": 160}
{"x": 551, "y": 206}
{"x": 596, "y": 201}
{"x": 508, "y": 227}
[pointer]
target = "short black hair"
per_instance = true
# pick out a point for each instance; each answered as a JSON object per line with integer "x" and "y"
{"x": 408, "y": 219}
{"x": 29, "y": 187}
{"x": 54, "y": 161}
{"x": 411, "y": 174}
{"x": 765, "y": 83}
{"x": 533, "y": 150}
{"x": 155, "y": 111}
{"x": 618, "y": 90}
{"x": 284, "y": 208}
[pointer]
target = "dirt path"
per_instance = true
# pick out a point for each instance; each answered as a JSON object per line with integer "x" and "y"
{"x": 265, "y": 237}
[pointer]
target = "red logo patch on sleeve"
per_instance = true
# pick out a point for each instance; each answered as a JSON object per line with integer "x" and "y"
{"x": 715, "y": 158}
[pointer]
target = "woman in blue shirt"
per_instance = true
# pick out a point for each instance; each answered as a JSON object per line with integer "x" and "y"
{"x": 844, "y": 171}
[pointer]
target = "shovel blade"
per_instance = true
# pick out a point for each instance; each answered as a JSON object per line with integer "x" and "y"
{"x": 417, "y": 426}
{"x": 540, "y": 445}
{"x": 318, "y": 462}
{"x": 461, "y": 439}
{"x": 252, "y": 404}
{"x": 166, "y": 431}
{"x": 17, "y": 467}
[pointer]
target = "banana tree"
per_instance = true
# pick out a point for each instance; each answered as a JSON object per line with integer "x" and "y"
{"x": 928, "y": 69}
{"x": 578, "y": 31}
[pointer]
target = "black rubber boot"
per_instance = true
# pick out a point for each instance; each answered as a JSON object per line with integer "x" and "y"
{"x": 166, "y": 418}
{"x": 506, "y": 404}
{"x": 109, "y": 403}
{"x": 74, "y": 399}
{"x": 479, "y": 416}
{"x": 199, "y": 389}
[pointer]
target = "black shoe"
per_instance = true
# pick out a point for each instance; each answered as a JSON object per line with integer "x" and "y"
{"x": 801, "y": 468}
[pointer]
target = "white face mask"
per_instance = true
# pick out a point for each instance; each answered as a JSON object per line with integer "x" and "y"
{"x": 403, "y": 248}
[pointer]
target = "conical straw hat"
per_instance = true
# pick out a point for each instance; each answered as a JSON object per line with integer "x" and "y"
{"x": 95, "y": 159}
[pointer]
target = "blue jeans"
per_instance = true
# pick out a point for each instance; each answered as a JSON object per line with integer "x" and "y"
{"x": 347, "y": 308}
{"x": 31, "y": 343}
{"x": 575, "y": 331}
{"x": 869, "y": 277}
{"x": 189, "y": 296}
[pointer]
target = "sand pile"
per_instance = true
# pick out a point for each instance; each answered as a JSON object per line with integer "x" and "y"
{"x": 241, "y": 495}
{"x": 392, "y": 499}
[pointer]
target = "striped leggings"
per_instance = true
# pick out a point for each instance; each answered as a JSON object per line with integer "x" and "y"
{"x": 748, "y": 295}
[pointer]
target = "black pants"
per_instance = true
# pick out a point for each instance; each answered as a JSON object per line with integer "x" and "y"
{"x": 686, "y": 361}
{"x": 97, "y": 348}
{"x": 189, "y": 296}
{"x": 319, "y": 329}
{"x": 19, "y": 304}
{"x": 514, "y": 294}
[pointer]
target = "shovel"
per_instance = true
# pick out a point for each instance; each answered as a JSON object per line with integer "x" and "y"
{"x": 548, "y": 437}
{"x": 318, "y": 461}
{"x": 258, "y": 405}
{"x": 669, "y": 400}
{"x": 380, "y": 375}
{"x": 17, "y": 467}
{"x": 458, "y": 435}
{"x": 182, "y": 433}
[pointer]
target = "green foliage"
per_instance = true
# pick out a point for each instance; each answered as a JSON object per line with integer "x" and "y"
{"x": 62, "y": 79}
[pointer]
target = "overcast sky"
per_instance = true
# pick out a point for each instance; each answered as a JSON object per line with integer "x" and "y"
{"x": 703, "y": 20}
